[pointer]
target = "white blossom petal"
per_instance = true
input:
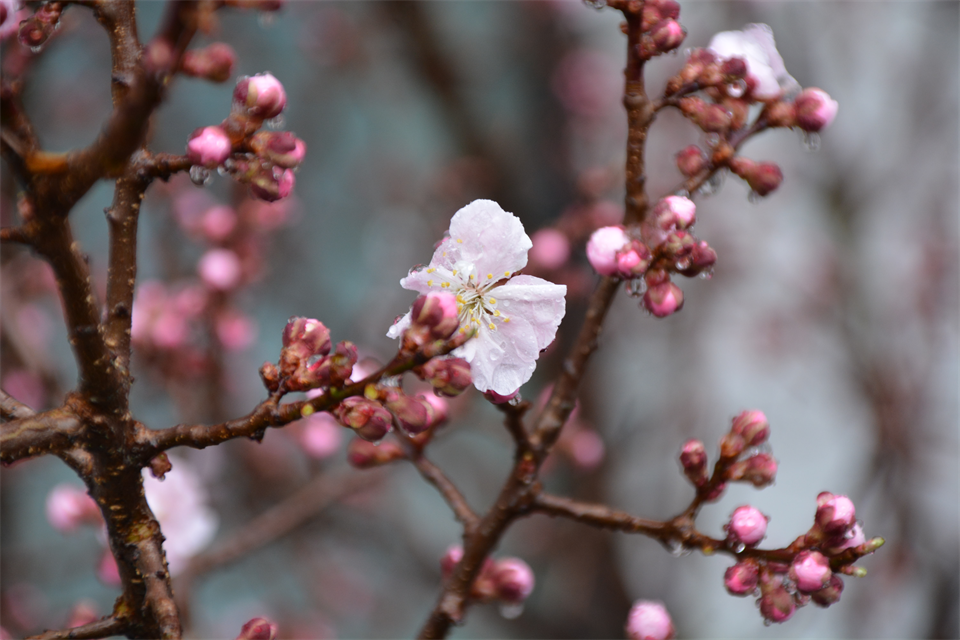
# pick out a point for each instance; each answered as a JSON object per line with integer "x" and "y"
{"x": 540, "y": 302}
{"x": 489, "y": 239}
{"x": 756, "y": 45}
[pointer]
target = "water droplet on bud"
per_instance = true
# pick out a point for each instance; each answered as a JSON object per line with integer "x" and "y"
{"x": 753, "y": 197}
{"x": 511, "y": 611}
{"x": 200, "y": 176}
{"x": 811, "y": 141}
{"x": 739, "y": 547}
{"x": 595, "y": 4}
{"x": 636, "y": 287}
{"x": 275, "y": 123}
{"x": 36, "y": 49}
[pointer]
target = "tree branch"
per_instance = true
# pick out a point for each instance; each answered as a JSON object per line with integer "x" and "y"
{"x": 37, "y": 434}
{"x": 458, "y": 503}
{"x": 12, "y": 409}
{"x": 103, "y": 628}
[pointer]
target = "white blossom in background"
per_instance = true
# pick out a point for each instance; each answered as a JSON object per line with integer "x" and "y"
{"x": 516, "y": 316}
{"x": 755, "y": 44}
{"x": 180, "y": 503}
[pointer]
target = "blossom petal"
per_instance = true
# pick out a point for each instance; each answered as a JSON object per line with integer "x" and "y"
{"x": 756, "y": 45}
{"x": 539, "y": 302}
{"x": 399, "y": 325}
{"x": 489, "y": 240}
{"x": 501, "y": 360}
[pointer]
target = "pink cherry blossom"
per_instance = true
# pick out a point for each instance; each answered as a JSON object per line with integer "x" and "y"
{"x": 208, "y": 147}
{"x": 765, "y": 67}
{"x": 603, "y": 247}
{"x": 515, "y": 316}
{"x": 180, "y": 504}
{"x": 649, "y": 620}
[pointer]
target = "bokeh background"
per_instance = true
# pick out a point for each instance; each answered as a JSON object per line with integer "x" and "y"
{"x": 833, "y": 308}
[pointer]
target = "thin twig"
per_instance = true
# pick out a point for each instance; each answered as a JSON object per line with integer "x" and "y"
{"x": 13, "y": 409}
{"x": 103, "y": 628}
{"x": 458, "y": 503}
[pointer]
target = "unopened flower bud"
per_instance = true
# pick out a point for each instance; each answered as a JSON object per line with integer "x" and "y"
{"x": 214, "y": 62}
{"x": 282, "y": 148}
{"x": 759, "y": 470}
{"x": 675, "y": 212}
{"x": 776, "y": 603}
{"x": 691, "y": 160}
{"x": 270, "y": 376}
{"x": 701, "y": 260}
{"x": 437, "y": 312}
{"x": 830, "y": 594}
{"x": 450, "y": 560}
{"x": 365, "y": 455}
{"x": 449, "y": 376}
{"x": 649, "y": 620}
{"x": 220, "y": 269}
{"x": 741, "y": 579}
{"x": 208, "y": 147}
{"x": 835, "y": 514}
{"x": 410, "y": 412}
{"x": 815, "y": 109}
{"x": 258, "y": 629}
{"x": 663, "y": 299}
{"x": 496, "y": 398}
{"x": 261, "y": 95}
{"x": 781, "y": 114}
{"x": 731, "y": 445}
{"x": 272, "y": 183}
{"x": 367, "y": 418}
{"x": 747, "y": 525}
{"x": 752, "y": 426}
{"x": 667, "y": 35}
{"x": 715, "y": 119}
{"x": 308, "y": 335}
{"x": 852, "y": 537}
{"x": 733, "y": 69}
{"x": 334, "y": 369}
{"x": 437, "y": 409}
{"x": 513, "y": 580}
{"x": 810, "y": 571}
{"x": 603, "y": 247}
{"x": 68, "y": 507}
{"x": 693, "y": 458}
{"x": 763, "y": 177}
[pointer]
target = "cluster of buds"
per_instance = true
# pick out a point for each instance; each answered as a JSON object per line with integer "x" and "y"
{"x": 665, "y": 244}
{"x": 37, "y": 29}
{"x": 740, "y": 458}
{"x": 660, "y": 31}
{"x": 830, "y": 548}
{"x": 265, "y": 160}
{"x": 509, "y": 580}
{"x": 716, "y": 88}
{"x": 433, "y": 319}
{"x": 427, "y": 413}
{"x": 306, "y": 361}
{"x": 214, "y": 62}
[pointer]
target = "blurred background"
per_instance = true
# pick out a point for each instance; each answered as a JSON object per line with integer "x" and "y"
{"x": 833, "y": 308}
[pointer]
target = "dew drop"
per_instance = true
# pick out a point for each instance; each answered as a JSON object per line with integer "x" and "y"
{"x": 595, "y": 4}
{"x": 676, "y": 548}
{"x": 515, "y": 401}
{"x": 636, "y": 287}
{"x": 275, "y": 123}
{"x": 706, "y": 275}
{"x": 683, "y": 193}
{"x": 739, "y": 547}
{"x": 511, "y": 611}
{"x": 753, "y": 197}
{"x": 200, "y": 176}
{"x": 712, "y": 185}
{"x": 711, "y": 139}
{"x": 811, "y": 141}
{"x": 736, "y": 88}
{"x": 683, "y": 264}
{"x": 36, "y": 49}
{"x": 222, "y": 170}
{"x": 767, "y": 622}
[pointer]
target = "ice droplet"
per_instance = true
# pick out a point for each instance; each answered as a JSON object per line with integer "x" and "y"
{"x": 222, "y": 170}
{"x": 753, "y": 197}
{"x": 275, "y": 123}
{"x": 711, "y": 139}
{"x": 706, "y": 275}
{"x": 36, "y": 49}
{"x": 712, "y": 185}
{"x": 739, "y": 547}
{"x": 767, "y": 622}
{"x": 736, "y": 88}
{"x": 595, "y": 4}
{"x": 515, "y": 401}
{"x": 636, "y": 287}
{"x": 200, "y": 176}
{"x": 511, "y": 611}
{"x": 676, "y": 548}
{"x": 811, "y": 141}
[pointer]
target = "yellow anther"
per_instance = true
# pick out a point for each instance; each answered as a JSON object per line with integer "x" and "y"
{"x": 429, "y": 283}
{"x": 506, "y": 319}
{"x": 496, "y": 313}
{"x": 506, "y": 273}
{"x": 445, "y": 285}
{"x": 459, "y": 298}
{"x": 492, "y": 326}
{"x": 431, "y": 270}
{"x": 489, "y": 276}
{"x": 459, "y": 241}
{"x": 492, "y": 300}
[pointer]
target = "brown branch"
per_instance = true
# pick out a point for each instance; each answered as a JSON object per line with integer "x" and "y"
{"x": 103, "y": 628}
{"x": 598, "y": 515}
{"x": 38, "y": 434}
{"x": 12, "y": 409}
{"x": 122, "y": 218}
{"x": 282, "y": 518}
{"x": 458, "y": 503}
{"x": 640, "y": 114}
{"x": 513, "y": 420}
{"x": 14, "y": 234}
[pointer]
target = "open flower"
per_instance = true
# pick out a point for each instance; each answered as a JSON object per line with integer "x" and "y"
{"x": 515, "y": 316}
{"x": 756, "y": 46}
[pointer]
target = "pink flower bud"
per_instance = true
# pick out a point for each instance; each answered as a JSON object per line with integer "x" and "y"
{"x": 220, "y": 269}
{"x": 776, "y": 603}
{"x": 214, "y": 62}
{"x": 410, "y": 412}
{"x": 734, "y": 69}
{"x": 693, "y": 458}
{"x": 649, "y": 620}
{"x": 208, "y": 147}
{"x": 691, "y": 160}
{"x": 763, "y": 177}
{"x": 308, "y": 335}
{"x": 741, "y": 579}
{"x": 217, "y": 223}
{"x": 437, "y": 409}
{"x": 262, "y": 95}
{"x": 810, "y": 571}
{"x": 602, "y": 249}
{"x": 437, "y": 312}
{"x": 815, "y": 109}
{"x": 701, "y": 258}
{"x": 835, "y": 514}
{"x": 332, "y": 370}
{"x": 449, "y": 376}
{"x": 68, "y": 507}
{"x": 550, "y": 250}
{"x": 450, "y": 559}
{"x": 496, "y": 398}
{"x": 367, "y": 418}
{"x": 747, "y": 525}
{"x": 321, "y": 435}
{"x": 513, "y": 580}
{"x": 663, "y": 299}
{"x": 586, "y": 449}
{"x": 675, "y": 212}
{"x": 759, "y": 470}
{"x": 366, "y": 455}
{"x": 272, "y": 183}
{"x": 258, "y": 629}
{"x": 852, "y": 537}
{"x": 830, "y": 594}
{"x": 752, "y": 426}
{"x": 667, "y": 35}
{"x": 282, "y": 148}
